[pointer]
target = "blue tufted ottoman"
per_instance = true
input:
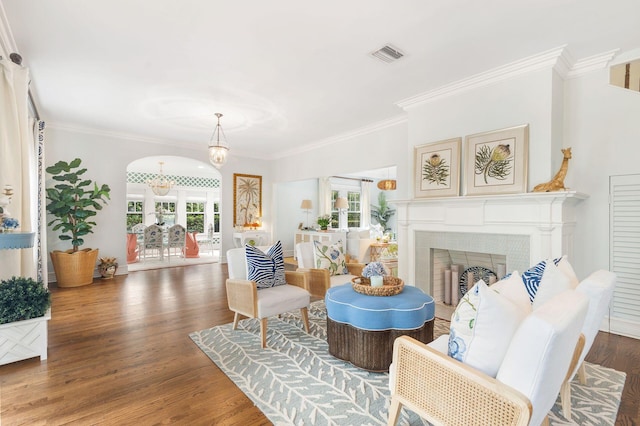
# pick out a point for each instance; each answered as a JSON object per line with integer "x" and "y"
{"x": 361, "y": 329}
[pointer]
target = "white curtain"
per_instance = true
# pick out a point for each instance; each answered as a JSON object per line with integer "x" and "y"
{"x": 365, "y": 204}
{"x": 17, "y": 164}
{"x": 324, "y": 196}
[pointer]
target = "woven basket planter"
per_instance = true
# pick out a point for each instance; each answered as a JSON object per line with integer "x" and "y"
{"x": 74, "y": 269}
{"x": 390, "y": 286}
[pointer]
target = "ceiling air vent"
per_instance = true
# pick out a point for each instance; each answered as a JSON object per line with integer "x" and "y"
{"x": 387, "y": 54}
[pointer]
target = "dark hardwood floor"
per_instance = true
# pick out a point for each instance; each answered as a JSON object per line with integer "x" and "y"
{"x": 119, "y": 354}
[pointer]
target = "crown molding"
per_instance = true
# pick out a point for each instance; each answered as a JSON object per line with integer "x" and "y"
{"x": 380, "y": 125}
{"x": 542, "y": 60}
{"x": 591, "y": 63}
{"x": 118, "y": 135}
{"x": 558, "y": 59}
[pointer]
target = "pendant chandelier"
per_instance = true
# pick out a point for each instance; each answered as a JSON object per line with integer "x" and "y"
{"x": 160, "y": 185}
{"x": 218, "y": 152}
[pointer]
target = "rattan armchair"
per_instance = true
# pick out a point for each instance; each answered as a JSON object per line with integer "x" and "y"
{"x": 245, "y": 299}
{"x": 320, "y": 280}
{"x": 545, "y": 347}
{"x": 448, "y": 392}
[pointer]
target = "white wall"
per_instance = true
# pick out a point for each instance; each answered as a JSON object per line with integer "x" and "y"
{"x": 288, "y": 197}
{"x": 381, "y": 148}
{"x": 106, "y": 158}
{"x": 603, "y": 129}
{"x": 526, "y": 99}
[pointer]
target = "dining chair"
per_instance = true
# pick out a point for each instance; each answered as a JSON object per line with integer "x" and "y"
{"x": 152, "y": 240}
{"x": 176, "y": 238}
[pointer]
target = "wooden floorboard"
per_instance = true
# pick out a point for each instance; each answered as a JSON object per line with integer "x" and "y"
{"x": 120, "y": 354}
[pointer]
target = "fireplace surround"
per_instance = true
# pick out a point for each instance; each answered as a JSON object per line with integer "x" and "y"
{"x": 525, "y": 228}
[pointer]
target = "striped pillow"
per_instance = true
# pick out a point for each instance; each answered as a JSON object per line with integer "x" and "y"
{"x": 266, "y": 269}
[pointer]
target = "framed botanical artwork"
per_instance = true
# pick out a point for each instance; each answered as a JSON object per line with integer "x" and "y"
{"x": 437, "y": 169}
{"x": 247, "y": 200}
{"x": 496, "y": 162}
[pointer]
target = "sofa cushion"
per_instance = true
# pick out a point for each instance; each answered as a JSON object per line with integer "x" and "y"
{"x": 266, "y": 269}
{"x": 481, "y": 328}
{"x": 330, "y": 257}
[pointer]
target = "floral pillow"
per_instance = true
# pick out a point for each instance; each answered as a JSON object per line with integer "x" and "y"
{"x": 330, "y": 257}
{"x": 482, "y": 327}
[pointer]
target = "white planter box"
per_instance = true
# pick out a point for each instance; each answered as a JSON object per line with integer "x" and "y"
{"x": 24, "y": 339}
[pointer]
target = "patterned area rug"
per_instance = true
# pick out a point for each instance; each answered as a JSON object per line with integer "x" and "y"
{"x": 296, "y": 382}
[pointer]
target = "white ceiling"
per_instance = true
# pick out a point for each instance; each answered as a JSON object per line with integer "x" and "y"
{"x": 285, "y": 73}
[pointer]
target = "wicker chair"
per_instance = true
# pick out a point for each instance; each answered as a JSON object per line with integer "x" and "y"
{"x": 244, "y": 298}
{"x": 319, "y": 279}
{"x": 447, "y": 392}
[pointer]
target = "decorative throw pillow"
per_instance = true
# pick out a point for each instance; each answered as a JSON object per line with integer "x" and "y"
{"x": 567, "y": 269}
{"x": 481, "y": 328}
{"x": 330, "y": 257}
{"x": 512, "y": 287}
{"x": 532, "y": 277}
{"x": 553, "y": 282}
{"x": 266, "y": 269}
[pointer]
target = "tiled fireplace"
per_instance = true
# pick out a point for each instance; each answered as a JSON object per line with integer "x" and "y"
{"x": 520, "y": 229}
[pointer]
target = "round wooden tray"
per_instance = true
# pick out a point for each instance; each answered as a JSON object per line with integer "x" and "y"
{"x": 390, "y": 286}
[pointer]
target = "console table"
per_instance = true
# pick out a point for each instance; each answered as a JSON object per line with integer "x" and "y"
{"x": 326, "y": 237}
{"x": 361, "y": 329}
{"x": 258, "y": 238}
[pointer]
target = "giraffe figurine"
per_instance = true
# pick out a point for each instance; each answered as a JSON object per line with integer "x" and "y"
{"x": 557, "y": 183}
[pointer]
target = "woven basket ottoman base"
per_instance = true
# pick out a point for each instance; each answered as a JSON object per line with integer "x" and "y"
{"x": 369, "y": 350}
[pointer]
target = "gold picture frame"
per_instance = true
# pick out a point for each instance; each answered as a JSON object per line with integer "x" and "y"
{"x": 247, "y": 200}
{"x": 496, "y": 162}
{"x": 437, "y": 169}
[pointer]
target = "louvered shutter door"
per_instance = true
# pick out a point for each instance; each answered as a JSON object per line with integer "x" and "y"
{"x": 624, "y": 221}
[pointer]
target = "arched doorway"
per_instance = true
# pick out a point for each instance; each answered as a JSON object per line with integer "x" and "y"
{"x": 193, "y": 202}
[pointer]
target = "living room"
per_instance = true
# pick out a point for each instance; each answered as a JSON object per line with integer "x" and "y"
{"x": 558, "y": 85}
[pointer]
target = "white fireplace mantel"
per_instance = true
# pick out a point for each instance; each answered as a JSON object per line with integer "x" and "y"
{"x": 548, "y": 219}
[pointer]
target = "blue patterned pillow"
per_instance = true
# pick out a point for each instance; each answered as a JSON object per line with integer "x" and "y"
{"x": 533, "y": 276}
{"x": 266, "y": 269}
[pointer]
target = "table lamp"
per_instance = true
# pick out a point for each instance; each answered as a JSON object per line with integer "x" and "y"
{"x": 306, "y": 205}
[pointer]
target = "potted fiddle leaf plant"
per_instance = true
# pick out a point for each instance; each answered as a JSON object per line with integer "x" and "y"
{"x": 73, "y": 202}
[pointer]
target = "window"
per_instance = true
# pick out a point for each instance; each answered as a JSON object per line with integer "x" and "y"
{"x": 353, "y": 214}
{"x": 216, "y": 216}
{"x": 335, "y": 214}
{"x": 135, "y": 213}
{"x": 195, "y": 217}
{"x": 166, "y": 213}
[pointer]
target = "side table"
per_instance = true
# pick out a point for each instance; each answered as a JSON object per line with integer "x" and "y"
{"x": 361, "y": 329}
{"x": 376, "y": 249}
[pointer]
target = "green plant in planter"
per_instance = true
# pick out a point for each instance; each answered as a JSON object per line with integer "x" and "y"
{"x": 382, "y": 213}
{"x": 74, "y": 201}
{"x": 22, "y": 299}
